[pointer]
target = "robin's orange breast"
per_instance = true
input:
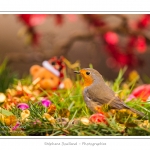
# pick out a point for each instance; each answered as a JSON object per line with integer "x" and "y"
{"x": 88, "y": 80}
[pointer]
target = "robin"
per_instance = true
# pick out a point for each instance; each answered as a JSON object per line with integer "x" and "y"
{"x": 97, "y": 94}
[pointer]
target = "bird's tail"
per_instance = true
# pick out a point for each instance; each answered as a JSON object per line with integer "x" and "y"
{"x": 138, "y": 113}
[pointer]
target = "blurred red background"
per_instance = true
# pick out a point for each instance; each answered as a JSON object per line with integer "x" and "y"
{"x": 108, "y": 42}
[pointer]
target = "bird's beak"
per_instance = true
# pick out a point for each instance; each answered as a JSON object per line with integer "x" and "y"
{"x": 77, "y": 72}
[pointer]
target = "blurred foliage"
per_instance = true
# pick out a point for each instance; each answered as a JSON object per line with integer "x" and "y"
{"x": 6, "y": 76}
{"x": 122, "y": 41}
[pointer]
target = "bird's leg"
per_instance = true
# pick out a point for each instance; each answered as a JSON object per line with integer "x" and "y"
{"x": 111, "y": 100}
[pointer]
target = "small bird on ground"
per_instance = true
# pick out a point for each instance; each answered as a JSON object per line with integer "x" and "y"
{"x": 97, "y": 94}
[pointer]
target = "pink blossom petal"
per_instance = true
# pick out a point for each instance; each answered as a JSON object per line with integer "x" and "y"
{"x": 141, "y": 44}
{"x": 46, "y": 102}
{"x": 111, "y": 38}
{"x": 98, "y": 118}
{"x": 16, "y": 126}
{"x": 23, "y": 106}
{"x": 142, "y": 92}
{"x": 32, "y": 19}
{"x": 130, "y": 98}
{"x": 72, "y": 17}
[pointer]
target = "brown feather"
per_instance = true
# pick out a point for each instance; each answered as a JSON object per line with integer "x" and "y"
{"x": 98, "y": 94}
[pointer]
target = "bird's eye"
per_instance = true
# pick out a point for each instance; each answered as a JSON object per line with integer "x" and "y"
{"x": 88, "y": 73}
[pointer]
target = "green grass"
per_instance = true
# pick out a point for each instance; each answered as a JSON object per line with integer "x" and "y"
{"x": 72, "y": 101}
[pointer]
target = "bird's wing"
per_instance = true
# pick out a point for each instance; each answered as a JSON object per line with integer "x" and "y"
{"x": 105, "y": 95}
